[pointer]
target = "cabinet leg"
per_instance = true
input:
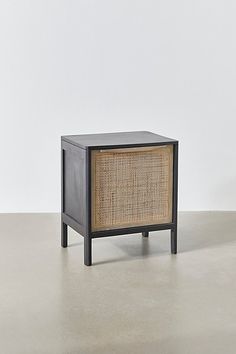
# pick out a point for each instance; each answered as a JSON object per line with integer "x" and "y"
{"x": 174, "y": 241}
{"x": 145, "y": 233}
{"x": 64, "y": 235}
{"x": 87, "y": 250}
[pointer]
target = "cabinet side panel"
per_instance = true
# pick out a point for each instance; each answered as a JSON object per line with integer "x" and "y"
{"x": 75, "y": 184}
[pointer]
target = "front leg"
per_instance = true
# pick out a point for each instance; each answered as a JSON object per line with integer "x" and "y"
{"x": 64, "y": 235}
{"x": 87, "y": 250}
{"x": 174, "y": 241}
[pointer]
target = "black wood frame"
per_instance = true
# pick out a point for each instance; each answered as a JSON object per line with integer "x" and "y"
{"x": 85, "y": 229}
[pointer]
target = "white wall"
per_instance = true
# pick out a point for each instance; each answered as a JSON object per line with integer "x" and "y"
{"x": 82, "y": 66}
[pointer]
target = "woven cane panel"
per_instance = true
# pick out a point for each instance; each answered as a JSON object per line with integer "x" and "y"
{"x": 131, "y": 187}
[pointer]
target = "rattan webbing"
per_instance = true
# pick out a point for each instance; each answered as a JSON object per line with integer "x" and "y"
{"x": 131, "y": 187}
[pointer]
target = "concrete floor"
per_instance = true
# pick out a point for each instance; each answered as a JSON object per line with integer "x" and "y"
{"x": 137, "y": 298}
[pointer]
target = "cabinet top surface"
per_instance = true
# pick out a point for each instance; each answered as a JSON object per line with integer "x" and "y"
{"x": 117, "y": 139}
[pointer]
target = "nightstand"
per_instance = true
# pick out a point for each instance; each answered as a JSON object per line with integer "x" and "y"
{"x": 118, "y": 183}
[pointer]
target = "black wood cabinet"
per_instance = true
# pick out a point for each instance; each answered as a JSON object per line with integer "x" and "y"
{"x": 118, "y": 183}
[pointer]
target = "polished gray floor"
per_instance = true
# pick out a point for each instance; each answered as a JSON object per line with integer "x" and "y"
{"x": 137, "y": 298}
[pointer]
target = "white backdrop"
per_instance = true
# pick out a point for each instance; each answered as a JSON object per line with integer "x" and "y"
{"x": 82, "y": 66}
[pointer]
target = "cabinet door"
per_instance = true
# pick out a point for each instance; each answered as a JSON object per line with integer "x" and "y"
{"x": 131, "y": 187}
